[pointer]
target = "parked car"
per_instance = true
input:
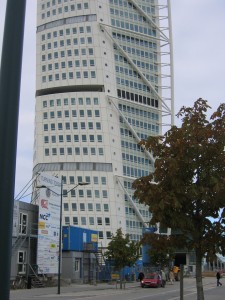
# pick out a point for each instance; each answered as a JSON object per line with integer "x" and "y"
{"x": 152, "y": 280}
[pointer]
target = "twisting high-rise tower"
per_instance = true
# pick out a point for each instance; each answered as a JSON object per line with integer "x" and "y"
{"x": 104, "y": 82}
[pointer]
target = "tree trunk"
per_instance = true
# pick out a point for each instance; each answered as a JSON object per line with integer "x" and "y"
{"x": 121, "y": 279}
{"x": 199, "y": 285}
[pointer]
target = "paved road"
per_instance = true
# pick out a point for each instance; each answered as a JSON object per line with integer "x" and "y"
{"x": 133, "y": 291}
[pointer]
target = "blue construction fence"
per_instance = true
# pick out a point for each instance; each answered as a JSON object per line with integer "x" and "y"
{"x": 110, "y": 273}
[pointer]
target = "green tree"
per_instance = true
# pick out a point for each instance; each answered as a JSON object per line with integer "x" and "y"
{"x": 186, "y": 192}
{"x": 122, "y": 251}
{"x": 161, "y": 250}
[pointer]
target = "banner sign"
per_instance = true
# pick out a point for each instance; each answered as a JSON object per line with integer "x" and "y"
{"x": 49, "y": 200}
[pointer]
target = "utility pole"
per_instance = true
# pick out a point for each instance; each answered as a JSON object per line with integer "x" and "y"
{"x": 10, "y": 77}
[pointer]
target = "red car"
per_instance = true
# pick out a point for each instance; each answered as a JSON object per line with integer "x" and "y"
{"x": 151, "y": 280}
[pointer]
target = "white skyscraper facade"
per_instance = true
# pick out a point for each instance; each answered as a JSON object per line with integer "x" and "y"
{"x": 104, "y": 82}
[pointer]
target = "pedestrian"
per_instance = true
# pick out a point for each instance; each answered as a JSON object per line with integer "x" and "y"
{"x": 163, "y": 275}
{"x": 218, "y": 276}
{"x": 141, "y": 276}
{"x": 171, "y": 276}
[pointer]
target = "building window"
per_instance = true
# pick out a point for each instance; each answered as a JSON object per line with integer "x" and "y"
{"x": 23, "y": 224}
{"x": 82, "y": 207}
{"x": 98, "y": 207}
{"x": 83, "y": 221}
{"x": 100, "y": 151}
{"x": 92, "y": 138}
{"x": 66, "y": 206}
{"x": 22, "y": 262}
{"x": 90, "y": 125}
{"x": 75, "y": 220}
{"x": 91, "y": 221}
{"x": 77, "y": 151}
{"x": 107, "y": 221}
{"x": 67, "y": 220}
{"x": 97, "y": 194}
{"x": 104, "y": 194}
{"x": 85, "y": 151}
{"x": 100, "y": 235}
{"x": 106, "y": 207}
{"x": 73, "y": 193}
{"x": 74, "y": 206}
{"x": 90, "y": 207}
{"x": 54, "y": 151}
{"x": 69, "y": 151}
{"x": 108, "y": 235}
{"x": 97, "y": 113}
{"x": 61, "y": 151}
{"x": 77, "y": 261}
{"x": 81, "y": 193}
{"x": 95, "y": 179}
{"x": 103, "y": 179}
{"x": 93, "y": 151}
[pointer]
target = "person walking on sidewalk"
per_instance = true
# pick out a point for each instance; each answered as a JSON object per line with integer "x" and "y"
{"x": 218, "y": 276}
{"x": 163, "y": 275}
{"x": 171, "y": 276}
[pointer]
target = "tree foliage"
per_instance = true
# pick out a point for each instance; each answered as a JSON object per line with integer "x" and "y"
{"x": 187, "y": 189}
{"x": 162, "y": 249}
{"x": 122, "y": 251}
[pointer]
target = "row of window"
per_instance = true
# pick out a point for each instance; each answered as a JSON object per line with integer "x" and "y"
{"x": 77, "y": 52}
{"x": 136, "y": 159}
{"x": 137, "y": 98}
{"x": 67, "y": 21}
{"x": 71, "y": 101}
{"x": 134, "y": 85}
{"x": 129, "y": 15}
{"x": 73, "y": 113}
{"x": 70, "y": 75}
{"x": 87, "y": 207}
{"x": 58, "y": 11}
{"x": 72, "y": 126}
{"x": 138, "y": 63}
{"x": 137, "y": 123}
{"x": 76, "y": 138}
{"x": 134, "y": 27}
{"x": 132, "y": 40}
{"x": 141, "y": 53}
{"x": 143, "y": 136}
{"x": 69, "y": 64}
{"x": 83, "y": 222}
{"x": 126, "y": 3}
{"x": 67, "y": 42}
{"x": 67, "y": 31}
{"x": 73, "y": 166}
{"x": 140, "y": 112}
{"x": 148, "y": 9}
{"x": 79, "y": 6}
{"x": 131, "y": 211}
{"x": 87, "y": 179}
{"x": 75, "y": 151}
{"x": 134, "y": 172}
{"x": 132, "y": 146}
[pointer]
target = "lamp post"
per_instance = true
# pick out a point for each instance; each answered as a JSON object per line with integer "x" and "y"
{"x": 60, "y": 224}
{"x": 10, "y": 77}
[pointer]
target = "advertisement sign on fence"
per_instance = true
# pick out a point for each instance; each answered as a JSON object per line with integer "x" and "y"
{"x": 49, "y": 200}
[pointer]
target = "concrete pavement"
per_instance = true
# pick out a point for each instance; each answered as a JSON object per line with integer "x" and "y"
{"x": 87, "y": 290}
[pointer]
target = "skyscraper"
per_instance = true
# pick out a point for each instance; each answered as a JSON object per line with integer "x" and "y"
{"x": 104, "y": 82}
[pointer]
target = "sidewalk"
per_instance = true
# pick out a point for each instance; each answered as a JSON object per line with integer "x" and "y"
{"x": 88, "y": 290}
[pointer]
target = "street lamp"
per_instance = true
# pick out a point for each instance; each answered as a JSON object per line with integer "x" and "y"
{"x": 60, "y": 222}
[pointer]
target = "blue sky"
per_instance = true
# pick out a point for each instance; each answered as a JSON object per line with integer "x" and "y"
{"x": 199, "y": 67}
